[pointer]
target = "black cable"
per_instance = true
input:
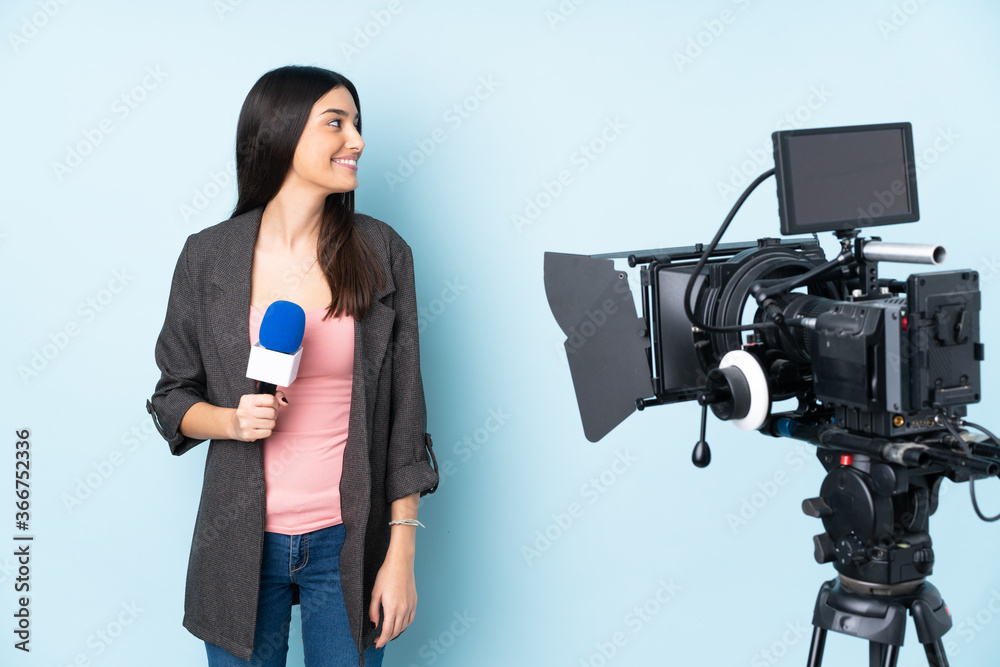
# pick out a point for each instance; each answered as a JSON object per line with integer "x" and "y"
{"x": 972, "y": 488}
{"x": 983, "y": 430}
{"x": 965, "y": 447}
{"x": 704, "y": 259}
{"x": 816, "y": 273}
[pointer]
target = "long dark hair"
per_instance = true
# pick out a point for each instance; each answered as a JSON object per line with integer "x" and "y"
{"x": 271, "y": 122}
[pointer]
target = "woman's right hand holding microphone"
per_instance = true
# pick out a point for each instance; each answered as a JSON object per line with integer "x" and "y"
{"x": 256, "y": 415}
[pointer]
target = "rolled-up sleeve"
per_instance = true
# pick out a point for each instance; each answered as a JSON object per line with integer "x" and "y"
{"x": 182, "y": 375}
{"x": 411, "y": 466}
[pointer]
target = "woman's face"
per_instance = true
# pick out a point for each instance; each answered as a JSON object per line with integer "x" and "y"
{"x": 328, "y": 150}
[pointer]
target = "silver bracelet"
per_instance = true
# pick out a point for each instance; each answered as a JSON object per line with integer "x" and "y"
{"x": 407, "y": 522}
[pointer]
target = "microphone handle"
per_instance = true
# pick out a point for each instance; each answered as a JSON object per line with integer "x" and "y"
{"x": 266, "y": 388}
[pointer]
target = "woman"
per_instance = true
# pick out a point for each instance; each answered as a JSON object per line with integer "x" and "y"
{"x": 300, "y": 487}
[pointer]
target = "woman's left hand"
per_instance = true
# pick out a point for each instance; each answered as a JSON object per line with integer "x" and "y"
{"x": 396, "y": 590}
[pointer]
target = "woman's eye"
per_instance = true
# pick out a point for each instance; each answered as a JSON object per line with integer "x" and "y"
{"x": 339, "y": 121}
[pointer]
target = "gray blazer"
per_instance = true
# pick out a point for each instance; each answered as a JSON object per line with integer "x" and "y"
{"x": 202, "y": 353}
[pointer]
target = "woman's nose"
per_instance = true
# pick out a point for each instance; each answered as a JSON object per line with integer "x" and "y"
{"x": 354, "y": 140}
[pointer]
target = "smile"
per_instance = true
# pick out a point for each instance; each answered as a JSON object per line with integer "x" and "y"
{"x": 348, "y": 162}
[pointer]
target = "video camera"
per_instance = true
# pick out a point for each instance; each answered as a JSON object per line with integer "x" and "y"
{"x": 882, "y": 369}
{"x": 880, "y": 356}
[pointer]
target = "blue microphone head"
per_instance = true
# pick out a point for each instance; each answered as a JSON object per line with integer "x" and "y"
{"x": 283, "y": 326}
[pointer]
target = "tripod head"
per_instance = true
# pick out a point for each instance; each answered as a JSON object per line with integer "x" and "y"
{"x": 879, "y": 494}
{"x": 876, "y": 516}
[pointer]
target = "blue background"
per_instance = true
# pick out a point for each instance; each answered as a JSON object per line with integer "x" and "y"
{"x": 686, "y": 95}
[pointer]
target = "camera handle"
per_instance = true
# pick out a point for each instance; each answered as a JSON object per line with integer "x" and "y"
{"x": 702, "y": 455}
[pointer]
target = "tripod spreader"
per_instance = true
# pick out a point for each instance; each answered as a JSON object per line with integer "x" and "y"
{"x": 878, "y": 614}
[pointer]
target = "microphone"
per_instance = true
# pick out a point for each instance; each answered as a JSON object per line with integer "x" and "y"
{"x": 274, "y": 358}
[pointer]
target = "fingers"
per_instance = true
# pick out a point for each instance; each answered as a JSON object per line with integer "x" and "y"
{"x": 373, "y": 608}
{"x": 257, "y": 414}
{"x": 393, "y": 624}
{"x": 389, "y": 631}
{"x": 373, "y": 617}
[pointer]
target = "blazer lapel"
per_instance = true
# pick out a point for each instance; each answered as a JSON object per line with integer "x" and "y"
{"x": 371, "y": 337}
{"x": 229, "y": 312}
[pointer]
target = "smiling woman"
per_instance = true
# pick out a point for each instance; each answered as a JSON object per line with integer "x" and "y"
{"x": 330, "y": 136}
{"x": 310, "y": 495}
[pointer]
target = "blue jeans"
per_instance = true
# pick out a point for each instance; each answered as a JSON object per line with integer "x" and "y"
{"x": 312, "y": 561}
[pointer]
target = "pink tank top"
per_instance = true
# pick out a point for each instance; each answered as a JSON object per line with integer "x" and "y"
{"x": 303, "y": 457}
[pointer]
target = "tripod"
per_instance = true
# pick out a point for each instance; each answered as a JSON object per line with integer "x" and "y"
{"x": 876, "y": 517}
{"x": 880, "y": 617}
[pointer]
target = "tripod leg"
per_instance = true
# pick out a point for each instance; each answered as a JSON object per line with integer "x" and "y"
{"x": 876, "y": 652}
{"x": 816, "y": 650}
{"x": 935, "y": 654}
{"x": 882, "y": 655}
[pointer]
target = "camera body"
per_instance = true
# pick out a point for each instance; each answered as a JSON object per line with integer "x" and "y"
{"x": 879, "y": 360}
{"x": 885, "y": 364}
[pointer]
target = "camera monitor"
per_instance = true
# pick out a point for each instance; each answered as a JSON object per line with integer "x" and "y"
{"x": 842, "y": 178}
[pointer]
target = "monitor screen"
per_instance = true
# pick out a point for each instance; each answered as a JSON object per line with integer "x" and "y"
{"x": 841, "y": 178}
